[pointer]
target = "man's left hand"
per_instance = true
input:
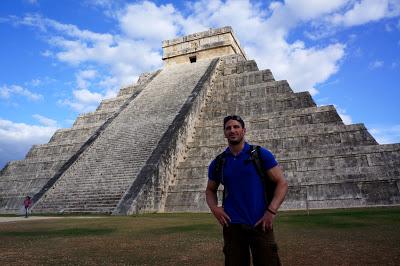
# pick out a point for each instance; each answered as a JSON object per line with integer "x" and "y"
{"x": 266, "y": 221}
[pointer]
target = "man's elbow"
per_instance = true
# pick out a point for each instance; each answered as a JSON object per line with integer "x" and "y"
{"x": 210, "y": 191}
{"x": 283, "y": 183}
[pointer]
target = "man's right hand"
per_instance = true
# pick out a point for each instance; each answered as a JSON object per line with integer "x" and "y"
{"x": 221, "y": 216}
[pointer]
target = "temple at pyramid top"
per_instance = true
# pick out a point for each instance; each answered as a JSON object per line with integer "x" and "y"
{"x": 202, "y": 45}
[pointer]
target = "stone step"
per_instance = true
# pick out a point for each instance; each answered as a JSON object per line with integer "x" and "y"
{"x": 129, "y": 90}
{"x": 33, "y": 165}
{"x": 300, "y": 166}
{"x": 113, "y": 103}
{"x": 28, "y": 182}
{"x": 314, "y": 135}
{"x": 92, "y": 210}
{"x": 95, "y": 188}
{"x": 75, "y": 134}
{"x": 347, "y": 174}
{"x": 249, "y": 108}
{"x": 186, "y": 181}
{"x": 186, "y": 201}
{"x": 239, "y": 67}
{"x": 342, "y": 195}
{"x": 312, "y": 115}
{"x": 246, "y": 78}
{"x": 273, "y": 99}
{"x": 50, "y": 149}
{"x": 374, "y": 155}
{"x": 144, "y": 79}
{"x": 78, "y": 206}
{"x": 65, "y": 202}
{"x": 260, "y": 90}
{"x": 329, "y": 195}
{"x": 68, "y": 200}
{"x": 279, "y": 124}
{"x": 232, "y": 59}
{"x": 87, "y": 125}
{"x": 83, "y": 204}
{"x": 99, "y": 116}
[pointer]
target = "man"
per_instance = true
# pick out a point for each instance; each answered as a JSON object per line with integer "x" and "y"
{"x": 27, "y": 205}
{"x": 246, "y": 217}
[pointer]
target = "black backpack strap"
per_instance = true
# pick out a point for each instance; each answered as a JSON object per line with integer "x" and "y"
{"x": 219, "y": 171}
{"x": 269, "y": 185}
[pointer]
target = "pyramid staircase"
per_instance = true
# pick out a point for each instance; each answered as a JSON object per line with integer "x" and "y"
{"x": 99, "y": 178}
{"x": 328, "y": 164}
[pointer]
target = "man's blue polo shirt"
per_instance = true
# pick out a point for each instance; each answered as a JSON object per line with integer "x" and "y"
{"x": 245, "y": 198}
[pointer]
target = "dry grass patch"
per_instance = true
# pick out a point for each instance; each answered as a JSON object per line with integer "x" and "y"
{"x": 334, "y": 237}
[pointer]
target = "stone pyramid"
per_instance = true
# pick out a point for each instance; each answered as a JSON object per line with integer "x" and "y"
{"x": 147, "y": 150}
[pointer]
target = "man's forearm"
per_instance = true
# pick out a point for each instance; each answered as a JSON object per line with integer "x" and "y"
{"x": 279, "y": 196}
{"x": 211, "y": 198}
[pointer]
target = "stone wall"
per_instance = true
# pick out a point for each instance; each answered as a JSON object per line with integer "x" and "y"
{"x": 203, "y": 45}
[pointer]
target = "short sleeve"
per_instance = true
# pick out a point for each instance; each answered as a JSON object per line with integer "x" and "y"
{"x": 268, "y": 159}
{"x": 211, "y": 172}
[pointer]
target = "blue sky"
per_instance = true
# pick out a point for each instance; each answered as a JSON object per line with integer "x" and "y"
{"x": 61, "y": 58}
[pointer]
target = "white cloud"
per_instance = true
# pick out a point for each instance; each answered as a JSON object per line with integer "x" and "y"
{"x": 150, "y": 22}
{"x": 83, "y": 77}
{"x": 366, "y": 11}
{"x": 45, "y": 121}
{"x": 347, "y": 120}
{"x": 36, "y": 82}
{"x": 40, "y": 81}
{"x": 47, "y": 53}
{"x": 86, "y": 96}
{"x": 386, "y": 135}
{"x": 6, "y": 92}
{"x": 17, "y": 138}
{"x": 84, "y": 100}
{"x": 376, "y": 64}
{"x": 311, "y": 9}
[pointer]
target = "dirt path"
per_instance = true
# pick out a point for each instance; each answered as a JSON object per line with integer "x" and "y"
{"x": 22, "y": 218}
{"x": 30, "y": 218}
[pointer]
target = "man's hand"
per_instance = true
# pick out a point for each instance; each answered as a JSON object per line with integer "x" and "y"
{"x": 221, "y": 216}
{"x": 266, "y": 221}
{"x": 212, "y": 202}
{"x": 276, "y": 175}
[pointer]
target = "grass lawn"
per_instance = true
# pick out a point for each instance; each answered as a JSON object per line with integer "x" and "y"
{"x": 329, "y": 237}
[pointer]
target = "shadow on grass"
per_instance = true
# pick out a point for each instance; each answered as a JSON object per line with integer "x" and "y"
{"x": 71, "y": 232}
{"x": 199, "y": 228}
{"x": 344, "y": 219}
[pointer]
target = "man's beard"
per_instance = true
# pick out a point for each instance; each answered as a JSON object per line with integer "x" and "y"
{"x": 235, "y": 142}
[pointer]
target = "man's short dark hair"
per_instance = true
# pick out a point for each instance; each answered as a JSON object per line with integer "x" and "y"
{"x": 233, "y": 117}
